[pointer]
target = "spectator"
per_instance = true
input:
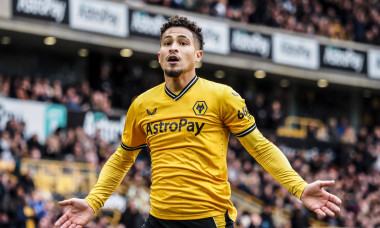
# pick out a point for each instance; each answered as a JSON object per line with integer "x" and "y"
{"x": 333, "y": 129}
{"x": 218, "y": 8}
{"x": 85, "y": 93}
{"x": 5, "y": 84}
{"x": 5, "y": 146}
{"x": 39, "y": 91}
{"x": 360, "y": 22}
{"x": 57, "y": 92}
{"x": 72, "y": 99}
{"x": 276, "y": 116}
{"x": 22, "y": 88}
{"x": 53, "y": 146}
{"x": 131, "y": 216}
{"x": 322, "y": 133}
{"x": 260, "y": 111}
{"x": 349, "y": 136}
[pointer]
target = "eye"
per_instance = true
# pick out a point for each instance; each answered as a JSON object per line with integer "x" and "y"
{"x": 183, "y": 43}
{"x": 167, "y": 43}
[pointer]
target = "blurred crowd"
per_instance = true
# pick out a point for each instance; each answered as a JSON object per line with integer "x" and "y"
{"x": 357, "y": 177}
{"x": 353, "y": 160}
{"x": 79, "y": 97}
{"x": 268, "y": 110}
{"x": 350, "y": 156}
{"x": 356, "y": 20}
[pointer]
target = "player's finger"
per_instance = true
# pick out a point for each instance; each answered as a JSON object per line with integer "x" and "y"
{"x": 333, "y": 207}
{"x": 320, "y": 212}
{"x": 327, "y": 211}
{"x": 72, "y": 226}
{"x": 335, "y": 199}
{"x": 65, "y": 202}
{"x": 61, "y": 220}
{"x": 66, "y": 224}
{"x": 326, "y": 183}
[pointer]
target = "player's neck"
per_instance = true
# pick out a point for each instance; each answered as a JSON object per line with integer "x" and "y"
{"x": 176, "y": 84}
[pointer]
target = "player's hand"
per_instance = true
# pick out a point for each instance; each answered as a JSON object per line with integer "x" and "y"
{"x": 79, "y": 214}
{"x": 319, "y": 200}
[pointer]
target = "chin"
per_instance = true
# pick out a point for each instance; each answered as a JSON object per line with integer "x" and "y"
{"x": 173, "y": 73}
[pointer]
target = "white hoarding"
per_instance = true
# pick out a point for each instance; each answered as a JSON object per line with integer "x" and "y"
{"x": 110, "y": 130}
{"x": 295, "y": 51}
{"x": 146, "y": 24}
{"x": 99, "y": 16}
{"x": 5, "y": 8}
{"x": 216, "y": 34}
{"x": 250, "y": 42}
{"x": 374, "y": 63}
{"x": 39, "y": 118}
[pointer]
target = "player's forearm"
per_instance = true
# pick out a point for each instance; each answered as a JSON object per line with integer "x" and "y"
{"x": 274, "y": 162}
{"x": 111, "y": 176}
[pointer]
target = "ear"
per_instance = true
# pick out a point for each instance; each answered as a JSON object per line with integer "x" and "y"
{"x": 158, "y": 55}
{"x": 198, "y": 55}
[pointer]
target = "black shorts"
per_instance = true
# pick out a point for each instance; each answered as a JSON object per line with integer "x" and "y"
{"x": 153, "y": 222}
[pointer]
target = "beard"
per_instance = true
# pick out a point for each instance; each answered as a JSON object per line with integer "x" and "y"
{"x": 173, "y": 73}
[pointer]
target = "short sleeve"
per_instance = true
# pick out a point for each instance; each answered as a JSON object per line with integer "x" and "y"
{"x": 235, "y": 114}
{"x": 133, "y": 137}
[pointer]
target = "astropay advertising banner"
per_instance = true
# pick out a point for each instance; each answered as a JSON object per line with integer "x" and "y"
{"x": 295, "y": 51}
{"x": 143, "y": 23}
{"x": 5, "y": 9}
{"x": 110, "y": 128}
{"x": 345, "y": 59}
{"x": 99, "y": 16}
{"x": 216, "y": 34}
{"x": 374, "y": 64}
{"x": 47, "y": 10}
{"x": 254, "y": 43}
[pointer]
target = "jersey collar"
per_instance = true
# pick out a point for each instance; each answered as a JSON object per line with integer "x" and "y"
{"x": 187, "y": 87}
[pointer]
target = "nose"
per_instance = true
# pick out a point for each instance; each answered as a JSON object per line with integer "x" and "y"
{"x": 174, "y": 48}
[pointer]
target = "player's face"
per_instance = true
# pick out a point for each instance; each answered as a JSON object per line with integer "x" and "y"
{"x": 178, "y": 52}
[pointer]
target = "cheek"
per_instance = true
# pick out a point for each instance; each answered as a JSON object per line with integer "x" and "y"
{"x": 160, "y": 56}
{"x": 190, "y": 55}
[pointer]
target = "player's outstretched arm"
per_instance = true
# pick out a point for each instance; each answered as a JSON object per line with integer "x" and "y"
{"x": 77, "y": 216}
{"x": 319, "y": 200}
{"x": 313, "y": 196}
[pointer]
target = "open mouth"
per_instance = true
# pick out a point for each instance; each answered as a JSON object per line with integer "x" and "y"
{"x": 173, "y": 59}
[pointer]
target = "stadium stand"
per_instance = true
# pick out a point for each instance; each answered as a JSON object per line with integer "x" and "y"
{"x": 342, "y": 20}
{"x": 354, "y": 161}
{"x": 361, "y": 165}
{"x": 322, "y": 142}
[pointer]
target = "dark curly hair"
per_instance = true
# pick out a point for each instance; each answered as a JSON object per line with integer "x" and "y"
{"x": 180, "y": 21}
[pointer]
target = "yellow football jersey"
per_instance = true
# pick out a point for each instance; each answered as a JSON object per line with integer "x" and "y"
{"x": 188, "y": 136}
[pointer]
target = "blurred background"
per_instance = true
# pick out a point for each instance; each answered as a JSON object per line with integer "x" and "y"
{"x": 309, "y": 71}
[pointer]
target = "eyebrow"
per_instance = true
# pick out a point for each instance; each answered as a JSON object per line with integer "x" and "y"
{"x": 180, "y": 36}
